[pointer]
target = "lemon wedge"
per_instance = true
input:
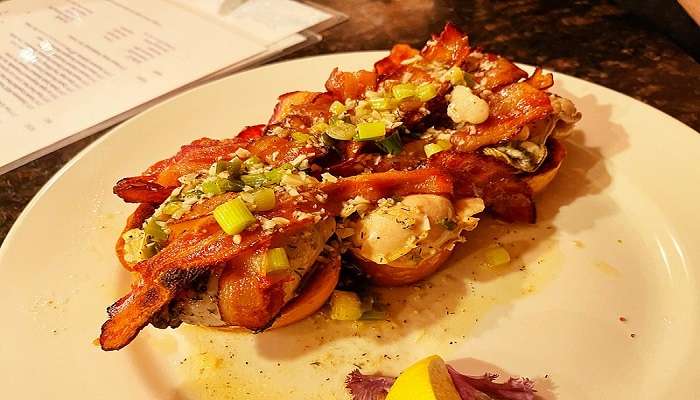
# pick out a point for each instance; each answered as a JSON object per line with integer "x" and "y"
{"x": 427, "y": 379}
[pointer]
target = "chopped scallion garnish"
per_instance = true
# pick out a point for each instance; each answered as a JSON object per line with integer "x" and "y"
{"x": 391, "y": 145}
{"x": 172, "y": 207}
{"x": 445, "y": 144}
{"x": 233, "y": 167}
{"x": 264, "y": 199}
{"x": 341, "y": 130}
{"x": 233, "y": 216}
{"x": 403, "y": 90}
{"x": 426, "y": 91}
{"x": 252, "y": 162}
{"x": 382, "y": 103}
{"x": 217, "y": 186}
{"x": 374, "y": 315}
{"x": 345, "y": 306}
{"x": 300, "y": 137}
{"x": 432, "y": 148}
{"x": 370, "y": 130}
{"x": 496, "y": 256}
{"x": 292, "y": 180}
{"x": 337, "y": 108}
{"x": 455, "y": 75}
{"x": 274, "y": 175}
{"x": 276, "y": 260}
{"x": 319, "y": 127}
{"x": 155, "y": 231}
{"x": 254, "y": 180}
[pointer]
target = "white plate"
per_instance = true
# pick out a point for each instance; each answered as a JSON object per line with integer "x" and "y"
{"x": 616, "y": 237}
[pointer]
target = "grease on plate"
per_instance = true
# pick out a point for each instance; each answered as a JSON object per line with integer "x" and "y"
{"x": 310, "y": 359}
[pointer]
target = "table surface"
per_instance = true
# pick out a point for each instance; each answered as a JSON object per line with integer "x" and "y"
{"x": 593, "y": 40}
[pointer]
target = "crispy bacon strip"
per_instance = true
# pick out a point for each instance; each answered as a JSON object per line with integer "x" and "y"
{"x": 156, "y": 184}
{"x": 389, "y": 64}
{"x": 495, "y": 72}
{"x": 387, "y": 184}
{"x": 350, "y": 85}
{"x": 166, "y": 273}
{"x": 200, "y": 154}
{"x": 540, "y": 80}
{"x": 275, "y": 150}
{"x": 141, "y": 189}
{"x": 182, "y": 260}
{"x": 298, "y": 109}
{"x": 475, "y": 175}
{"x": 158, "y": 181}
{"x": 450, "y": 48}
{"x": 511, "y": 108}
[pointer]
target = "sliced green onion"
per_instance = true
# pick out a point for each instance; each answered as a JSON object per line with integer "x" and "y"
{"x": 172, "y": 208}
{"x": 155, "y": 231}
{"x": 254, "y": 180}
{"x": 403, "y": 90}
{"x": 292, "y": 180}
{"x": 319, "y": 127}
{"x": 337, "y": 108}
{"x": 496, "y": 256}
{"x": 382, "y": 103}
{"x": 345, "y": 306}
{"x": 252, "y": 162}
{"x": 363, "y": 108}
{"x": 233, "y": 167}
{"x": 300, "y": 137}
{"x": 426, "y": 91}
{"x": 264, "y": 199}
{"x": 274, "y": 175}
{"x": 391, "y": 145}
{"x": 217, "y": 186}
{"x": 276, "y": 260}
{"x": 236, "y": 185}
{"x": 432, "y": 148}
{"x": 374, "y": 315}
{"x": 370, "y": 130}
{"x": 455, "y": 75}
{"x": 233, "y": 216}
{"x": 445, "y": 144}
{"x": 341, "y": 131}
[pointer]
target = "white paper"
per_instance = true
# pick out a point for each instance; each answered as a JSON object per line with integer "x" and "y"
{"x": 267, "y": 20}
{"x": 70, "y": 68}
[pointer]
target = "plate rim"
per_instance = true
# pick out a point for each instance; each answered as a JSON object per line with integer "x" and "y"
{"x": 112, "y": 132}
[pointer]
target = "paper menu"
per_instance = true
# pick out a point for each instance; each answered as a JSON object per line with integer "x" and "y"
{"x": 269, "y": 20}
{"x": 69, "y": 68}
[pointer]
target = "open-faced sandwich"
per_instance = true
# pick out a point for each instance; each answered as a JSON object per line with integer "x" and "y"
{"x": 385, "y": 170}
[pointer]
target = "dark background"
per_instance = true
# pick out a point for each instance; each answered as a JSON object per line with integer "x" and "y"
{"x": 646, "y": 53}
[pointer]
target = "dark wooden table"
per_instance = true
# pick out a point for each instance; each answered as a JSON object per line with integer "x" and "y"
{"x": 593, "y": 40}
